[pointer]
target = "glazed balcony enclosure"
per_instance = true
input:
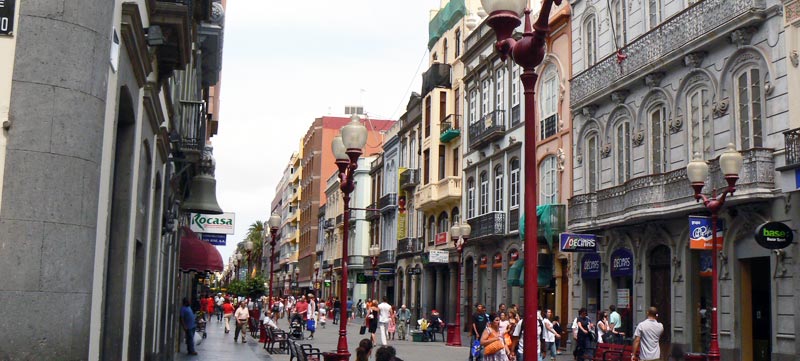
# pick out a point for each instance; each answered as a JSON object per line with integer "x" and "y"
{"x": 448, "y": 189}
{"x": 387, "y": 257}
{"x": 665, "y": 194}
{"x": 408, "y": 247}
{"x": 409, "y": 179}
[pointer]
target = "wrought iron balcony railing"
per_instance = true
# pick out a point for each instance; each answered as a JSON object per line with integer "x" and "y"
{"x": 666, "y": 193}
{"x": 372, "y": 215}
{"x": 409, "y": 246}
{"x": 489, "y": 225}
{"x": 696, "y": 25}
{"x": 449, "y": 128}
{"x": 487, "y": 129}
{"x": 387, "y": 200}
{"x": 792, "y": 141}
{"x": 513, "y": 220}
{"x": 387, "y": 256}
{"x": 409, "y": 179}
{"x": 192, "y": 126}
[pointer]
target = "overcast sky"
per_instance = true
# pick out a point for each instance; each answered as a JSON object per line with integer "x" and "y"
{"x": 286, "y": 63}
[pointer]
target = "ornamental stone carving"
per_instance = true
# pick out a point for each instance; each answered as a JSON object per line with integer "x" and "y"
{"x": 721, "y": 107}
{"x": 589, "y": 110}
{"x": 794, "y": 57}
{"x": 653, "y": 79}
{"x": 638, "y": 139}
{"x": 561, "y": 158}
{"x": 675, "y": 125}
{"x": 619, "y": 96}
{"x": 742, "y": 36}
{"x": 694, "y": 59}
{"x": 605, "y": 152}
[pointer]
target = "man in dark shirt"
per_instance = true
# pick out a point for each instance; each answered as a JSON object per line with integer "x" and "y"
{"x": 479, "y": 320}
{"x": 336, "y": 306}
{"x": 188, "y": 324}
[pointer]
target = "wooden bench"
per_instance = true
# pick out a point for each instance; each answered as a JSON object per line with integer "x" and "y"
{"x": 440, "y": 330}
{"x": 303, "y": 352}
{"x": 276, "y": 337}
{"x": 612, "y": 352}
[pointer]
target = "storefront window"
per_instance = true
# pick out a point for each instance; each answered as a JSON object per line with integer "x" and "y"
{"x": 622, "y": 287}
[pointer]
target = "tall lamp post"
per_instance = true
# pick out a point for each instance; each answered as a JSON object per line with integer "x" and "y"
{"x": 459, "y": 233}
{"x": 274, "y": 223}
{"x": 730, "y": 163}
{"x": 238, "y": 264}
{"x": 374, "y": 252}
{"x": 347, "y": 149}
{"x": 248, "y": 247}
{"x": 528, "y": 52}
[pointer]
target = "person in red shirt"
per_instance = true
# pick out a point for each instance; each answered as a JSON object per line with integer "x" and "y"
{"x": 301, "y": 308}
{"x": 203, "y": 303}
{"x": 227, "y": 312}
{"x": 209, "y": 307}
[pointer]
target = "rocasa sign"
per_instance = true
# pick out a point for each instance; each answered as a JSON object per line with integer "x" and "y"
{"x": 774, "y": 235}
{"x": 213, "y": 223}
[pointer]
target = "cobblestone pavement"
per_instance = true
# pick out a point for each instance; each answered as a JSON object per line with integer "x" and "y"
{"x": 219, "y": 346}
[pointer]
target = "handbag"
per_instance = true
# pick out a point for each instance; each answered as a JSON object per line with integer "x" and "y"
{"x": 493, "y": 347}
{"x": 362, "y": 330}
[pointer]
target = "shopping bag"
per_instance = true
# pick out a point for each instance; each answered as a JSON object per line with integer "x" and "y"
{"x": 476, "y": 348}
{"x": 363, "y": 330}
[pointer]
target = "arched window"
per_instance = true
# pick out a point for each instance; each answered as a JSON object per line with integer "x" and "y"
{"x": 749, "y": 107}
{"x": 513, "y": 192}
{"x": 473, "y": 104}
{"x": 657, "y": 117}
{"x": 458, "y": 43}
{"x": 549, "y": 181}
{"x": 455, "y": 215}
{"x": 484, "y": 205}
{"x": 444, "y": 50}
{"x": 470, "y": 198}
{"x": 549, "y": 102}
{"x": 431, "y": 229}
{"x": 500, "y": 84}
{"x": 620, "y": 21}
{"x": 498, "y": 188}
{"x": 590, "y": 40}
{"x": 486, "y": 96}
{"x": 622, "y": 154}
{"x": 592, "y": 162}
{"x": 444, "y": 223}
{"x": 700, "y": 124}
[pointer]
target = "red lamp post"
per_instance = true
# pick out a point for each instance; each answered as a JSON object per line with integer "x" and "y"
{"x": 374, "y": 252}
{"x": 730, "y": 162}
{"x": 528, "y": 52}
{"x": 274, "y": 223}
{"x": 459, "y": 233}
{"x": 347, "y": 149}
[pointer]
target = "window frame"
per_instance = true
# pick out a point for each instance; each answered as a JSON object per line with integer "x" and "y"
{"x": 514, "y": 183}
{"x": 548, "y": 102}
{"x": 699, "y": 125}
{"x": 623, "y": 150}
{"x": 498, "y": 188}
{"x": 483, "y": 205}
{"x": 548, "y": 173}
{"x": 658, "y": 163}
{"x": 499, "y": 86}
{"x": 619, "y": 10}
{"x": 592, "y": 163}
{"x": 650, "y": 22}
{"x": 746, "y": 139}
{"x": 470, "y": 197}
{"x": 590, "y": 40}
{"x": 486, "y": 96}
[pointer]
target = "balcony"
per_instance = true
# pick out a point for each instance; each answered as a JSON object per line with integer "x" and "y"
{"x": 387, "y": 202}
{"x": 449, "y": 128}
{"x": 446, "y": 190}
{"x": 408, "y": 247}
{"x": 792, "y": 141}
{"x": 693, "y": 28}
{"x": 175, "y": 20}
{"x": 437, "y": 76}
{"x": 387, "y": 257}
{"x": 513, "y": 220}
{"x": 409, "y": 179}
{"x": 487, "y": 227}
{"x": 337, "y": 263}
{"x": 356, "y": 262}
{"x": 668, "y": 194}
{"x": 191, "y": 126}
{"x": 339, "y": 219}
{"x": 489, "y": 128}
{"x": 373, "y": 215}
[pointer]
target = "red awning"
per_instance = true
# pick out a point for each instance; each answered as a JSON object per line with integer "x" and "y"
{"x": 198, "y": 255}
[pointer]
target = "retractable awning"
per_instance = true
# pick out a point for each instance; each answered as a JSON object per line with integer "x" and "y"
{"x": 198, "y": 255}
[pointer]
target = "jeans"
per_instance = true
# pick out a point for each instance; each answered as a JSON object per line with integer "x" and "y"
{"x": 190, "y": 340}
{"x": 551, "y": 349}
{"x": 382, "y": 328}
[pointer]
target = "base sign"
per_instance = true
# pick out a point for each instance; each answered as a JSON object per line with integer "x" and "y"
{"x": 774, "y": 235}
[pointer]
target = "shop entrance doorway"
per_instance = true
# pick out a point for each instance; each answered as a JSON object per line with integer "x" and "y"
{"x": 660, "y": 291}
{"x": 756, "y": 309}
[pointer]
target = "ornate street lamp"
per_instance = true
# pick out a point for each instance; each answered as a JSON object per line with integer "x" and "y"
{"x": 459, "y": 233}
{"x": 730, "y": 163}
{"x": 274, "y": 223}
{"x": 346, "y": 148}
{"x": 374, "y": 252}
{"x": 528, "y": 52}
{"x": 238, "y": 263}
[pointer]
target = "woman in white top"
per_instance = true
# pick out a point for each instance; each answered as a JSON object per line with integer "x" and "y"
{"x": 602, "y": 327}
{"x": 504, "y": 322}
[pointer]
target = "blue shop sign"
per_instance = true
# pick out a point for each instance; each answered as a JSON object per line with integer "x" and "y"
{"x": 215, "y": 239}
{"x": 622, "y": 263}
{"x": 578, "y": 242}
{"x": 590, "y": 266}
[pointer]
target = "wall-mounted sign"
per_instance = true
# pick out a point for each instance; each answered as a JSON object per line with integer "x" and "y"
{"x": 441, "y": 238}
{"x": 214, "y": 239}
{"x": 213, "y": 223}
{"x": 386, "y": 271}
{"x": 439, "y": 257}
{"x": 623, "y": 297}
{"x": 774, "y": 235}
{"x": 361, "y": 278}
{"x": 622, "y": 263}
{"x": 700, "y": 235}
{"x": 706, "y": 264}
{"x": 7, "y": 17}
{"x": 590, "y": 266}
{"x": 578, "y": 242}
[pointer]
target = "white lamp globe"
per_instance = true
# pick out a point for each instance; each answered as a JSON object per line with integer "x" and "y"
{"x": 338, "y": 148}
{"x": 354, "y": 134}
{"x": 697, "y": 169}
{"x": 731, "y": 161}
{"x": 274, "y": 221}
{"x": 515, "y": 6}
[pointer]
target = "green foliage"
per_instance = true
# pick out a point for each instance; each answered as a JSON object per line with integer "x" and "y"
{"x": 255, "y": 286}
{"x": 237, "y": 287}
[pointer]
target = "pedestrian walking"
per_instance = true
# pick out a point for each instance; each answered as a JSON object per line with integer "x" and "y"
{"x": 219, "y": 301}
{"x": 550, "y": 335}
{"x": 646, "y": 336}
{"x": 386, "y": 353}
{"x": 227, "y": 313}
{"x": 242, "y": 316}
{"x": 384, "y": 314}
{"x": 392, "y": 324}
{"x": 479, "y": 320}
{"x": 210, "y": 306}
{"x": 403, "y": 319}
{"x": 372, "y": 319}
{"x": 584, "y": 339}
{"x": 335, "y": 311}
{"x": 496, "y": 347}
{"x": 604, "y": 334}
{"x": 188, "y": 324}
{"x": 615, "y": 321}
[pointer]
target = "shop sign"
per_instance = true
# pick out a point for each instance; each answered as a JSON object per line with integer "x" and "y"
{"x": 623, "y": 297}
{"x": 774, "y": 235}
{"x": 622, "y": 263}
{"x": 7, "y": 17}
{"x": 386, "y": 271}
{"x": 590, "y": 266}
{"x": 361, "y": 278}
{"x": 578, "y": 242}
{"x": 706, "y": 264}
{"x": 214, "y": 239}
{"x": 441, "y": 238}
{"x": 439, "y": 257}
{"x": 700, "y": 235}
{"x": 213, "y": 223}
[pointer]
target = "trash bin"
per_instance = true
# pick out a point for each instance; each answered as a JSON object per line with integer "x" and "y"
{"x": 416, "y": 336}
{"x": 451, "y": 333}
{"x": 695, "y": 357}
